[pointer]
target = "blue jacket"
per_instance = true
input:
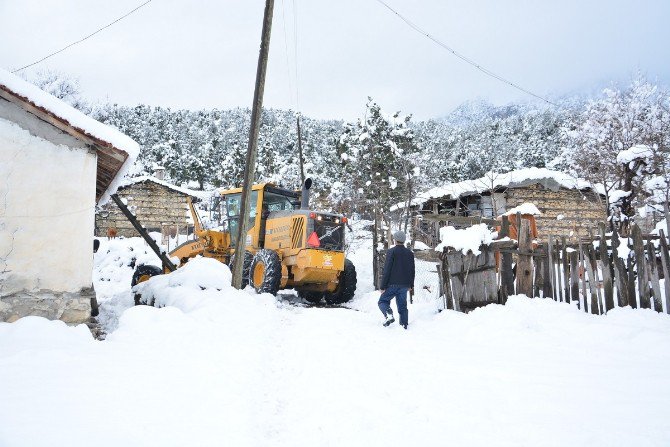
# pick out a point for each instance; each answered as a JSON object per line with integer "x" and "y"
{"x": 399, "y": 268}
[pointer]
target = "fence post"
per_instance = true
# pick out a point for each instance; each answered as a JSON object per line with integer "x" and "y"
{"x": 538, "y": 266}
{"x": 566, "y": 266}
{"x": 446, "y": 278}
{"x": 582, "y": 268}
{"x": 665, "y": 261}
{"x": 524, "y": 267}
{"x": 621, "y": 276}
{"x": 653, "y": 277}
{"x": 594, "y": 268}
{"x": 606, "y": 268}
{"x": 642, "y": 279}
{"x": 550, "y": 267}
{"x": 506, "y": 273}
{"x": 574, "y": 277}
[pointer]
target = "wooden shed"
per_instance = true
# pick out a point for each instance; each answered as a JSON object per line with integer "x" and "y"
{"x": 569, "y": 206}
{"x": 159, "y": 205}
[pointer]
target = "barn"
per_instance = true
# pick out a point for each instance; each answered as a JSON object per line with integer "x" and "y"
{"x": 56, "y": 165}
{"x": 159, "y": 205}
{"x": 568, "y": 206}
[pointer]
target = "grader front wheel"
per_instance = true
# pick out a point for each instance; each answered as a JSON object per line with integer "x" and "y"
{"x": 265, "y": 272}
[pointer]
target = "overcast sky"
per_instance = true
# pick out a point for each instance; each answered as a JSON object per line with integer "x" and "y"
{"x": 203, "y": 54}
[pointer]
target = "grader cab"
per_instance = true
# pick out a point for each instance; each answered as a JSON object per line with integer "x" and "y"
{"x": 287, "y": 247}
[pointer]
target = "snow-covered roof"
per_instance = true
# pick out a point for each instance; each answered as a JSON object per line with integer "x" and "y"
{"x": 147, "y": 178}
{"x": 116, "y": 151}
{"x": 492, "y": 180}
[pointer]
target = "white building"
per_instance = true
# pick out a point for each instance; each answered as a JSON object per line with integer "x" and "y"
{"x": 56, "y": 164}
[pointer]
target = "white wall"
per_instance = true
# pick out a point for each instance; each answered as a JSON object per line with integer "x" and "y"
{"x": 47, "y": 200}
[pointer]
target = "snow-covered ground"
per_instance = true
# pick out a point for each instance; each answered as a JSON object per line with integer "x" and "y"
{"x": 225, "y": 367}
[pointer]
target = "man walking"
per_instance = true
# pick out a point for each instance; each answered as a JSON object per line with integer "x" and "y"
{"x": 397, "y": 279}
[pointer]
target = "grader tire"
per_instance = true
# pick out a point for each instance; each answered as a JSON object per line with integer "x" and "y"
{"x": 346, "y": 287}
{"x": 265, "y": 272}
{"x": 312, "y": 297}
{"x": 248, "y": 257}
{"x": 143, "y": 273}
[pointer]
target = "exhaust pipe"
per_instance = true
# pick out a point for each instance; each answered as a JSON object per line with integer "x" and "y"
{"x": 304, "y": 197}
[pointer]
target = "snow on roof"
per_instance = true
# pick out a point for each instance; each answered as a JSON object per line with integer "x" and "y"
{"x": 492, "y": 180}
{"x": 82, "y": 123}
{"x": 147, "y": 178}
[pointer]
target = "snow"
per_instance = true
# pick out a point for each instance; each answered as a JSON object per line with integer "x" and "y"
{"x": 493, "y": 180}
{"x": 637, "y": 152}
{"x": 76, "y": 119}
{"x": 467, "y": 239}
{"x": 524, "y": 208}
{"x": 147, "y": 178}
{"x": 255, "y": 370}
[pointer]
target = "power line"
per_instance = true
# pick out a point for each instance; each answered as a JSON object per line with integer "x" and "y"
{"x": 83, "y": 39}
{"x": 463, "y": 57}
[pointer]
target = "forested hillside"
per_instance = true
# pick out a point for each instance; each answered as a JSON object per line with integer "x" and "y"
{"x": 387, "y": 156}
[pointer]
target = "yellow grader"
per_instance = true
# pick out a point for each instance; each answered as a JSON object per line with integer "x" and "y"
{"x": 287, "y": 247}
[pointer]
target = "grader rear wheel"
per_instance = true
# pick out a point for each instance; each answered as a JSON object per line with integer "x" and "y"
{"x": 143, "y": 273}
{"x": 265, "y": 272}
{"x": 346, "y": 287}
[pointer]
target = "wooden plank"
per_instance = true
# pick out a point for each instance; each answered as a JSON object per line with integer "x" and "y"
{"x": 538, "y": 281}
{"x": 550, "y": 267}
{"x": 620, "y": 274}
{"x": 566, "y": 270}
{"x": 524, "y": 266}
{"x": 592, "y": 279}
{"x": 547, "y": 290}
{"x": 559, "y": 275}
{"x": 574, "y": 276}
{"x": 595, "y": 284}
{"x": 642, "y": 280}
{"x": 506, "y": 271}
{"x": 446, "y": 279}
{"x": 606, "y": 268}
{"x": 653, "y": 277}
{"x": 632, "y": 299}
{"x": 455, "y": 262}
{"x": 665, "y": 261}
{"x": 582, "y": 269}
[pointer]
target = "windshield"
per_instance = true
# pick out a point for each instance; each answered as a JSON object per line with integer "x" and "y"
{"x": 277, "y": 202}
{"x": 233, "y": 207}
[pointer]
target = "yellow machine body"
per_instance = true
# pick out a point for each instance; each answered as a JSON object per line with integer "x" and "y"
{"x": 283, "y": 230}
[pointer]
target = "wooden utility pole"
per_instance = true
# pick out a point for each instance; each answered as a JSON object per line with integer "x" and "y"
{"x": 302, "y": 160}
{"x": 250, "y": 167}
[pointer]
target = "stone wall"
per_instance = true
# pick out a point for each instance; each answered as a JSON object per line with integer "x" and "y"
{"x": 580, "y": 210}
{"x": 157, "y": 207}
{"x": 72, "y": 308}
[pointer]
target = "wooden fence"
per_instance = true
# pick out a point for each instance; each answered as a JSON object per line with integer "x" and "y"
{"x": 597, "y": 273}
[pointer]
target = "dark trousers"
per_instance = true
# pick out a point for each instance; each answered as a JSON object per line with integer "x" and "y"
{"x": 400, "y": 295}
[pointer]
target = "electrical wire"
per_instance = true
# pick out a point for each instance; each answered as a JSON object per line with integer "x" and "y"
{"x": 463, "y": 57}
{"x": 83, "y": 39}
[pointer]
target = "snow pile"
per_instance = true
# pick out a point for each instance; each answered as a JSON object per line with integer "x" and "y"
{"x": 524, "y": 208}
{"x": 181, "y": 287}
{"x": 637, "y": 152}
{"x": 467, "y": 239}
